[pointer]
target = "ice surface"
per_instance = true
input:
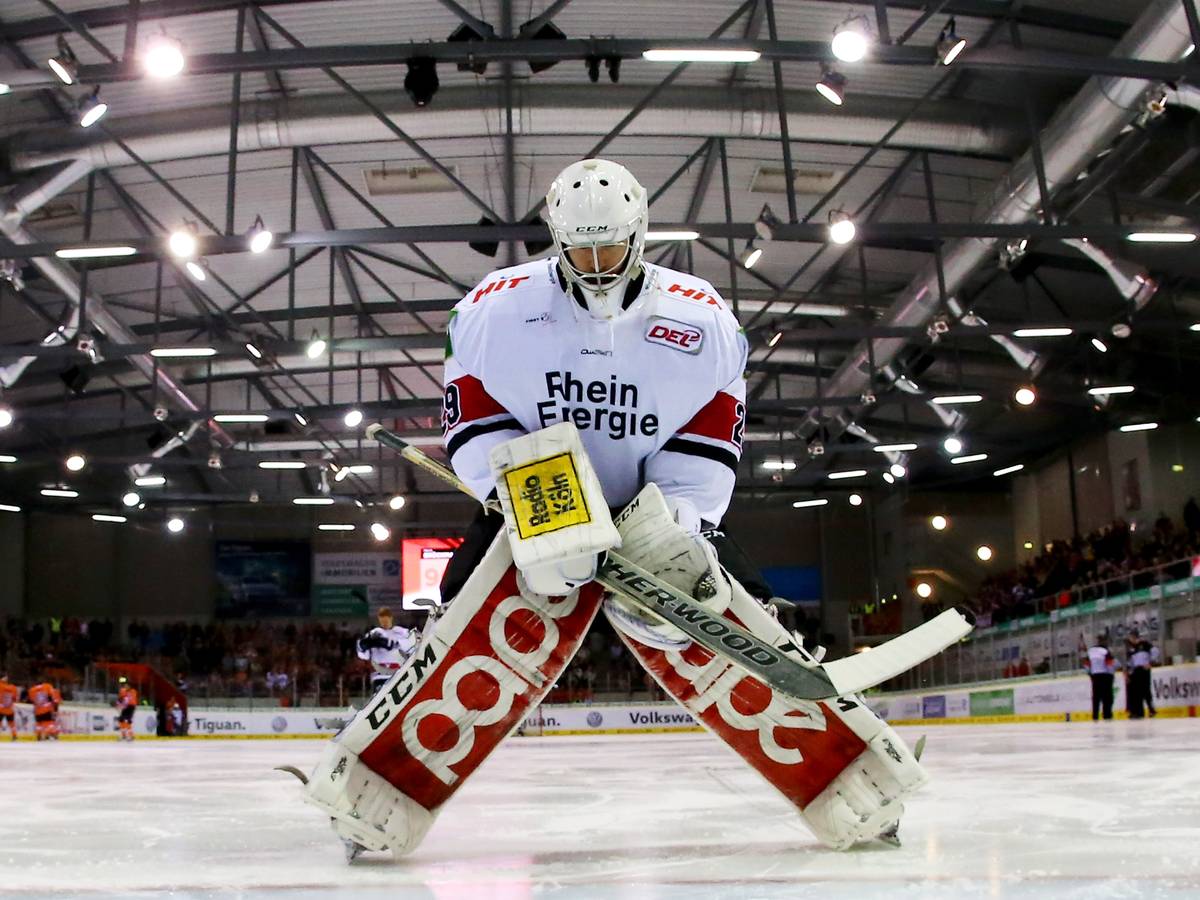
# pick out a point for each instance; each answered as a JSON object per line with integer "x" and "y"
{"x": 1104, "y": 810}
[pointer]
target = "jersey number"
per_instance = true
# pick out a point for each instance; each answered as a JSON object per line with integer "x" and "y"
{"x": 451, "y": 407}
{"x": 739, "y": 424}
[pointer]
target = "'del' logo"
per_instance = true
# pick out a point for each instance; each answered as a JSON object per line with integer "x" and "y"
{"x": 676, "y": 335}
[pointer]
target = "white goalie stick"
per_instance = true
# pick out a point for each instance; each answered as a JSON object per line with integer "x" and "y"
{"x": 770, "y": 664}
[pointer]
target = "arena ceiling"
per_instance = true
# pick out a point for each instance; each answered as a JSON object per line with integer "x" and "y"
{"x": 296, "y": 114}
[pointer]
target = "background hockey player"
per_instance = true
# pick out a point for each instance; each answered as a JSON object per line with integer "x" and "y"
{"x": 634, "y": 374}
{"x": 386, "y": 647}
{"x": 126, "y": 704}
{"x": 45, "y": 699}
{"x": 9, "y": 693}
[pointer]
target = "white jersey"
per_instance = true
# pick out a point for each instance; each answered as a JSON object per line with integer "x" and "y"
{"x": 399, "y": 645}
{"x": 658, "y": 394}
{"x": 1100, "y": 661}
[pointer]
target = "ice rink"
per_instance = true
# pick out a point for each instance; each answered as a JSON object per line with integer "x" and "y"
{"x": 1047, "y": 810}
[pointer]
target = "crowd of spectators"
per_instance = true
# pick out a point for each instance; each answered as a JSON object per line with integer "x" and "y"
{"x": 1110, "y": 560}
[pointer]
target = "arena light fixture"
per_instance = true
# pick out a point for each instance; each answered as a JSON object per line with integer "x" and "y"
{"x": 1008, "y": 470}
{"x": 851, "y": 39}
{"x": 897, "y": 471}
{"x": 175, "y": 525}
{"x": 984, "y": 552}
{"x": 8, "y": 507}
{"x": 846, "y": 473}
{"x": 313, "y": 501}
{"x": 1111, "y": 389}
{"x": 253, "y": 351}
{"x": 778, "y": 465}
{"x": 5, "y": 88}
{"x": 421, "y": 81}
{"x": 64, "y": 64}
{"x": 970, "y": 458}
{"x": 301, "y": 420}
{"x": 353, "y": 418}
{"x": 359, "y": 469}
{"x": 1099, "y": 345}
{"x": 832, "y": 86}
{"x": 956, "y": 399}
{"x": 94, "y": 252}
{"x": 1042, "y": 332}
{"x": 1161, "y": 237}
{"x": 949, "y": 44}
{"x": 282, "y": 464}
{"x": 751, "y": 255}
{"x": 316, "y": 346}
{"x": 63, "y": 493}
{"x": 939, "y": 523}
{"x": 690, "y": 55}
{"x": 952, "y": 444}
{"x": 396, "y": 503}
{"x": 260, "y": 238}
{"x": 775, "y": 339}
{"x": 7, "y": 458}
{"x": 380, "y": 532}
{"x": 893, "y": 448}
{"x": 1025, "y": 396}
{"x": 92, "y": 109}
{"x": 1195, "y": 326}
{"x": 241, "y": 418}
{"x": 682, "y": 235}
{"x": 75, "y": 462}
{"x": 805, "y": 504}
{"x": 889, "y": 478}
{"x": 163, "y": 57}
{"x": 855, "y": 499}
{"x": 150, "y": 481}
{"x": 841, "y": 227}
{"x": 1140, "y": 426}
{"x": 182, "y": 352}
{"x": 6, "y": 416}
{"x": 1191, "y": 48}
{"x": 924, "y": 590}
{"x": 105, "y": 517}
{"x": 334, "y": 526}
{"x": 195, "y": 268}
{"x": 131, "y": 498}
{"x": 182, "y": 241}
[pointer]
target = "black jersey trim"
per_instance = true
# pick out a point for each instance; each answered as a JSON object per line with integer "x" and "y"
{"x": 473, "y": 431}
{"x": 694, "y": 448}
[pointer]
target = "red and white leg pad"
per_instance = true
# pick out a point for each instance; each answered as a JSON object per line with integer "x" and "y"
{"x": 488, "y": 661}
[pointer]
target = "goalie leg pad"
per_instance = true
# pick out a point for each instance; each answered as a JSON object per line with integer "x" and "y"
{"x": 472, "y": 680}
{"x": 844, "y": 768}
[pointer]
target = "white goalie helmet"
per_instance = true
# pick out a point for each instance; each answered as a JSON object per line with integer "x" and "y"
{"x": 595, "y": 205}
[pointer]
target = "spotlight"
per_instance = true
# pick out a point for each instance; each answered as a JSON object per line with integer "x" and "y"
{"x": 253, "y": 350}
{"x": 92, "y": 108}
{"x": 1099, "y": 345}
{"x": 301, "y": 420}
{"x": 613, "y": 65}
{"x": 396, "y": 503}
{"x": 592, "y": 63}
{"x": 64, "y": 64}
{"x": 421, "y": 82}
{"x": 353, "y": 418}
{"x": 163, "y": 57}
{"x": 380, "y": 532}
{"x": 150, "y": 481}
{"x": 939, "y": 523}
{"x": 751, "y": 255}
{"x": 175, "y": 525}
{"x": 196, "y": 269}
{"x": 4, "y": 88}
{"x": 855, "y": 499}
{"x": 949, "y": 44}
{"x": 924, "y": 590}
{"x": 316, "y": 346}
{"x": 775, "y": 339}
{"x": 897, "y": 470}
{"x": 465, "y": 33}
{"x": 75, "y": 462}
{"x": 841, "y": 227}
{"x": 832, "y": 86}
{"x": 851, "y": 39}
{"x": 1026, "y": 396}
{"x": 547, "y": 32}
{"x": 984, "y": 552}
{"x": 1121, "y": 330}
{"x": 131, "y": 498}
{"x": 6, "y": 417}
{"x": 259, "y": 236}
{"x": 766, "y": 223}
{"x": 182, "y": 242}
{"x": 889, "y": 478}
{"x": 952, "y": 445}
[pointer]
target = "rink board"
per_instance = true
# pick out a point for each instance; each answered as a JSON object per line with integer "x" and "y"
{"x": 1175, "y": 691}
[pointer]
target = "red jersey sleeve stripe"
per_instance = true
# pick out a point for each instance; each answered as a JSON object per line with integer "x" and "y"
{"x": 717, "y": 419}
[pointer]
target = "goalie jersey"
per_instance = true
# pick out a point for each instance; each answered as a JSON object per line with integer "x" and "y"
{"x": 658, "y": 394}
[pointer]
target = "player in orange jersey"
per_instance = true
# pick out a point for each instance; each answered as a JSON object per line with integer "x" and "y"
{"x": 127, "y": 701}
{"x": 45, "y": 699}
{"x": 8, "y": 698}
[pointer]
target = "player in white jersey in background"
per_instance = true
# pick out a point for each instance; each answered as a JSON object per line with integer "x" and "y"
{"x": 648, "y": 366}
{"x": 386, "y": 647}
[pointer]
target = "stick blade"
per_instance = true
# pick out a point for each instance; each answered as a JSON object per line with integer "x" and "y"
{"x": 854, "y": 674}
